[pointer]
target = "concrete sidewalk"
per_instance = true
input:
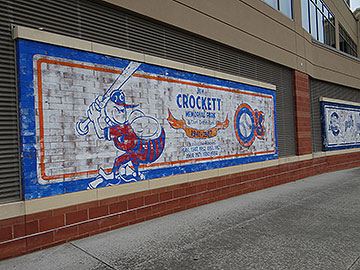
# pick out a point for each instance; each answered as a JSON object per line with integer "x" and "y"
{"x": 313, "y": 223}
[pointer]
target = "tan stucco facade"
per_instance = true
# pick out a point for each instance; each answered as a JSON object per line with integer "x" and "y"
{"x": 255, "y": 27}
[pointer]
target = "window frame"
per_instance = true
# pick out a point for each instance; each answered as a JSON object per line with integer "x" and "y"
{"x": 343, "y": 34}
{"x": 279, "y": 9}
{"x": 313, "y": 21}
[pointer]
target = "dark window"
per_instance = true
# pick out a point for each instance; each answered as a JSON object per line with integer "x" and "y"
{"x": 318, "y": 21}
{"x": 329, "y": 31}
{"x": 285, "y": 6}
{"x": 347, "y": 45}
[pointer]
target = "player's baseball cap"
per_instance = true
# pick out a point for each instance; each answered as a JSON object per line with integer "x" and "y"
{"x": 118, "y": 97}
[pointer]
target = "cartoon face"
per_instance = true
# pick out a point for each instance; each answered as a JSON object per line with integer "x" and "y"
{"x": 115, "y": 112}
{"x": 334, "y": 125}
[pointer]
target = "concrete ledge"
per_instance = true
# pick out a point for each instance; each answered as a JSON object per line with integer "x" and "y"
{"x": 341, "y": 152}
{"x": 16, "y": 209}
{"x": 11, "y": 210}
{"x": 116, "y": 52}
{"x": 339, "y": 101}
{"x": 51, "y": 38}
{"x": 64, "y": 200}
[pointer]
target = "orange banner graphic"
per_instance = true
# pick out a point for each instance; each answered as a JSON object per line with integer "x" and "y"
{"x": 197, "y": 133}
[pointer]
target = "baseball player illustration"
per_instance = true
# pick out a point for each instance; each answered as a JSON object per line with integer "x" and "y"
{"x": 140, "y": 137}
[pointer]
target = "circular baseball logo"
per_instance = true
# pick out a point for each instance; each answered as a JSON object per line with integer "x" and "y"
{"x": 245, "y": 125}
{"x": 248, "y": 124}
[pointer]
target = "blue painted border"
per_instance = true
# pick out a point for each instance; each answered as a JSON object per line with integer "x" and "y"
{"x": 25, "y": 53}
{"x": 341, "y": 146}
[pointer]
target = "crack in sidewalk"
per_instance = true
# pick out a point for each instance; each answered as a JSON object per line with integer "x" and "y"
{"x": 93, "y": 256}
{"x": 353, "y": 264}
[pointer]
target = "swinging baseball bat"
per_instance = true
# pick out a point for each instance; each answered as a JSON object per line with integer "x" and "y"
{"x": 82, "y": 127}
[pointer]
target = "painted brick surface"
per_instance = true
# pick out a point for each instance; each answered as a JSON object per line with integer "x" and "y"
{"x": 90, "y": 121}
{"x": 340, "y": 125}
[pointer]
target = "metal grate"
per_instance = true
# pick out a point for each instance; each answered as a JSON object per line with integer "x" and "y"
{"x": 9, "y": 146}
{"x": 324, "y": 89}
{"x": 100, "y": 22}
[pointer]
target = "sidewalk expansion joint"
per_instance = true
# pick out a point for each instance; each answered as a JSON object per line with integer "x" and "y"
{"x": 91, "y": 255}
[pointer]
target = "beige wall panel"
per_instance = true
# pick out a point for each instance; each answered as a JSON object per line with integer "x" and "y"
{"x": 250, "y": 19}
{"x": 301, "y": 44}
{"x": 264, "y": 38}
{"x": 330, "y": 66}
{"x": 256, "y": 28}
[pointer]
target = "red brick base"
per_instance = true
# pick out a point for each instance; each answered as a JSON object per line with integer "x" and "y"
{"x": 33, "y": 232}
{"x": 302, "y": 113}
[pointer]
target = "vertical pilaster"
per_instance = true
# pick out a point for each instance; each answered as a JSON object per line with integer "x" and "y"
{"x": 357, "y": 16}
{"x": 302, "y": 113}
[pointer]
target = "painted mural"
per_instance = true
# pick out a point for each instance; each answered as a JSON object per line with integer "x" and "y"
{"x": 91, "y": 121}
{"x": 341, "y": 125}
{"x": 140, "y": 137}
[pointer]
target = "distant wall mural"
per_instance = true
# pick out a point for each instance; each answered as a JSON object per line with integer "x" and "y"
{"x": 341, "y": 125}
{"x": 91, "y": 121}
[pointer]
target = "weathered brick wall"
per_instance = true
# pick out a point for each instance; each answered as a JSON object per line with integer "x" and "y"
{"x": 302, "y": 113}
{"x": 41, "y": 230}
{"x": 202, "y": 122}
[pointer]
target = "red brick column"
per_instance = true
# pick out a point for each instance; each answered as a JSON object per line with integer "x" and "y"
{"x": 302, "y": 113}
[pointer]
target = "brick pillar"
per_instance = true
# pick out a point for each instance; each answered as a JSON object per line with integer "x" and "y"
{"x": 302, "y": 113}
